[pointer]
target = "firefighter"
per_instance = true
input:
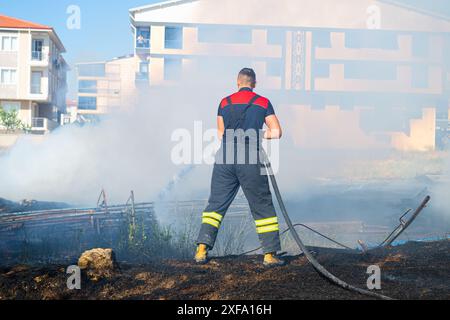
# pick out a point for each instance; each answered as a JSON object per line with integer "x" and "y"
{"x": 241, "y": 119}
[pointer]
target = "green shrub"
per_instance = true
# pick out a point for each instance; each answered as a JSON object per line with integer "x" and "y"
{"x": 10, "y": 120}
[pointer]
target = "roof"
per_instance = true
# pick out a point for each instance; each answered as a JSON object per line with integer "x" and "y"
{"x": 411, "y": 7}
{"x": 399, "y": 3}
{"x": 344, "y": 14}
{"x": 160, "y": 5}
{"x": 14, "y": 23}
{"x": 128, "y": 56}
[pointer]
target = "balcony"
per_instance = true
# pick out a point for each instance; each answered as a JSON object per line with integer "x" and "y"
{"x": 36, "y": 89}
{"x": 39, "y": 58}
{"x": 142, "y": 38}
{"x": 43, "y": 125}
{"x": 142, "y": 43}
{"x": 36, "y": 55}
{"x": 142, "y": 76}
{"x": 173, "y": 44}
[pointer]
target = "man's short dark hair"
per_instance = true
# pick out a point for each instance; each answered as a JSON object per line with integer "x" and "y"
{"x": 250, "y": 73}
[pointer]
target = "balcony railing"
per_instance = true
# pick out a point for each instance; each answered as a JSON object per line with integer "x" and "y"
{"x": 37, "y": 56}
{"x": 36, "y": 89}
{"x": 88, "y": 90}
{"x": 141, "y": 76}
{"x": 38, "y": 123}
{"x": 143, "y": 43}
{"x": 173, "y": 44}
{"x": 100, "y": 92}
{"x": 43, "y": 124}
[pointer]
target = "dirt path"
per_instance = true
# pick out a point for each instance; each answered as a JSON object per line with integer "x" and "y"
{"x": 412, "y": 271}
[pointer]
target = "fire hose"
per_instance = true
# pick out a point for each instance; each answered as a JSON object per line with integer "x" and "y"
{"x": 317, "y": 266}
{"x": 308, "y": 228}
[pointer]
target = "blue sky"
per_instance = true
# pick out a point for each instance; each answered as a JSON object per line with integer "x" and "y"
{"x": 105, "y": 30}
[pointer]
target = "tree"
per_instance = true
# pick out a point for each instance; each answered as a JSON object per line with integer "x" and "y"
{"x": 10, "y": 120}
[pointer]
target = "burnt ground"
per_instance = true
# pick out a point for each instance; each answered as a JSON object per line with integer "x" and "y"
{"x": 412, "y": 271}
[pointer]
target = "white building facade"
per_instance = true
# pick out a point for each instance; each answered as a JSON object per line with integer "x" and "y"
{"x": 105, "y": 87}
{"x": 337, "y": 66}
{"x": 32, "y": 73}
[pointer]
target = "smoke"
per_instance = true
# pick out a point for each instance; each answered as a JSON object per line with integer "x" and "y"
{"x": 331, "y": 140}
{"x": 127, "y": 150}
{"x": 441, "y": 201}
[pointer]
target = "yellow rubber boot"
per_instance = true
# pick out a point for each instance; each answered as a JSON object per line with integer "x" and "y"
{"x": 271, "y": 260}
{"x": 201, "y": 257}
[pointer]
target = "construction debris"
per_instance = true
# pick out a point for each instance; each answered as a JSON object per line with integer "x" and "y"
{"x": 7, "y": 206}
{"x": 62, "y": 234}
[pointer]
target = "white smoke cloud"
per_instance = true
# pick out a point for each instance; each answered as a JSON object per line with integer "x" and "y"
{"x": 128, "y": 150}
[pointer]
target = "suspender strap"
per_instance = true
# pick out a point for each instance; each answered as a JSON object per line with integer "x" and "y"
{"x": 256, "y": 97}
{"x": 244, "y": 113}
{"x": 238, "y": 118}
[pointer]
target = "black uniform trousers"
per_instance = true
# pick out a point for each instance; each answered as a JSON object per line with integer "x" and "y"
{"x": 226, "y": 181}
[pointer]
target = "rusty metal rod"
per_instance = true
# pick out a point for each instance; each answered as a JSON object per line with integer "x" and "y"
{"x": 405, "y": 224}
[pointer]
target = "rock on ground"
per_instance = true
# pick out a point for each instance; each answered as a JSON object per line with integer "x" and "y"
{"x": 98, "y": 263}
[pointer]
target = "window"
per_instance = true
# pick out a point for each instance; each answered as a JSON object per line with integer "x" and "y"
{"x": 87, "y": 86}
{"x": 143, "y": 67}
{"x": 143, "y": 71}
{"x": 36, "y": 53}
{"x": 276, "y": 36}
{"x": 274, "y": 68}
{"x": 36, "y": 77}
{"x": 174, "y": 38}
{"x": 372, "y": 70}
{"x": 9, "y": 106}
{"x": 172, "y": 68}
{"x": 87, "y": 103}
{"x": 322, "y": 39}
{"x": 143, "y": 37}
{"x": 8, "y": 76}
{"x": 420, "y": 45}
{"x": 91, "y": 70}
{"x": 321, "y": 69}
{"x": 9, "y": 44}
{"x": 420, "y": 76}
{"x": 372, "y": 39}
{"x": 225, "y": 35}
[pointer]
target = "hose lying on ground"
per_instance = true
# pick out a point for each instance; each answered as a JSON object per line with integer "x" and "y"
{"x": 319, "y": 268}
{"x": 310, "y": 229}
{"x": 387, "y": 242}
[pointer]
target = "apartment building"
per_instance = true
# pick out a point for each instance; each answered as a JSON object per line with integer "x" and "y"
{"x": 365, "y": 72}
{"x": 32, "y": 73}
{"x": 106, "y": 86}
